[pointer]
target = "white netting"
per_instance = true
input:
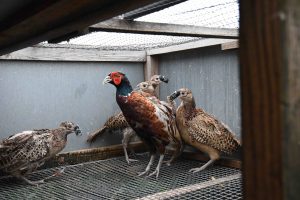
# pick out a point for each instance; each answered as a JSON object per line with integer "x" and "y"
{"x": 208, "y": 13}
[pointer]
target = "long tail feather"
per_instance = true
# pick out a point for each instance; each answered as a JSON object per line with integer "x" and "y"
{"x": 92, "y": 136}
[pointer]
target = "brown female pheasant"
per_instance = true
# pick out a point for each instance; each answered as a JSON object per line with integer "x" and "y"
{"x": 118, "y": 122}
{"x": 201, "y": 130}
{"x": 24, "y": 152}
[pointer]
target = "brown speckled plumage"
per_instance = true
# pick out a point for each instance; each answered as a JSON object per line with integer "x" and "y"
{"x": 205, "y": 129}
{"x": 202, "y": 130}
{"x": 114, "y": 123}
{"x": 24, "y": 152}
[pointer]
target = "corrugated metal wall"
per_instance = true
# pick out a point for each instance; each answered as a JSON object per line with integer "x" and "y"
{"x": 212, "y": 75}
{"x": 42, "y": 94}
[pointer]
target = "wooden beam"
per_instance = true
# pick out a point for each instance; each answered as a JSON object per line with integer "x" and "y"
{"x": 87, "y": 155}
{"x": 261, "y": 63}
{"x": 59, "y": 53}
{"x": 59, "y": 18}
{"x": 289, "y": 16}
{"x": 124, "y": 26}
{"x": 230, "y": 45}
{"x": 188, "y": 45}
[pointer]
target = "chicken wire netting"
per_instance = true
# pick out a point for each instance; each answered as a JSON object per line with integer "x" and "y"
{"x": 115, "y": 179}
{"x": 206, "y": 13}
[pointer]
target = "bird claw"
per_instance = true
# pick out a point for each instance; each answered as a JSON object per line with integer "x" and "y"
{"x": 131, "y": 160}
{"x": 156, "y": 172}
{"x": 142, "y": 173}
{"x": 195, "y": 170}
{"x": 36, "y": 183}
{"x": 168, "y": 163}
{"x": 60, "y": 172}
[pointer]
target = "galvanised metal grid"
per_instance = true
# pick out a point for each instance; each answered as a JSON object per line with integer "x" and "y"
{"x": 227, "y": 190}
{"x": 115, "y": 179}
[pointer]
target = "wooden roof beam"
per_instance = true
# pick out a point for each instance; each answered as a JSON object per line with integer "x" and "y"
{"x": 188, "y": 46}
{"x": 62, "y": 17}
{"x": 124, "y": 26}
{"x": 73, "y": 54}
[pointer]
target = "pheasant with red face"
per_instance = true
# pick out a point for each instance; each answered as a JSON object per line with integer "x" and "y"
{"x": 118, "y": 122}
{"x": 152, "y": 120}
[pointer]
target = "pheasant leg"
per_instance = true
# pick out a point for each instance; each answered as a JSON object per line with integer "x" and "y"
{"x": 198, "y": 169}
{"x": 57, "y": 173}
{"x": 148, "y": 166}
{"x": 35, "y": 183}
{"x": 126, "y": 139}
{"x": 156, "y": 172}
{"x": 178, "y": 151}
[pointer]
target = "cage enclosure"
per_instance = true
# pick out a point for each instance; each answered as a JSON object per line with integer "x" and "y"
{"x": 192, "y": 43}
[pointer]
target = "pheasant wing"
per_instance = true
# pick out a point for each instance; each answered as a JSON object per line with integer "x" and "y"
{"x": 205, "y": 129}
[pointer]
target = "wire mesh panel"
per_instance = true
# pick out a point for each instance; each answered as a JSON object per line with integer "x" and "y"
{"x": 227, "y": 190}
{"x": 205, "y": 13}
{"x": 115, "y": 179}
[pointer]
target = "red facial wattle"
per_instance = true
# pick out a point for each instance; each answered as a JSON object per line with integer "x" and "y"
{"x": 117, "y": 80}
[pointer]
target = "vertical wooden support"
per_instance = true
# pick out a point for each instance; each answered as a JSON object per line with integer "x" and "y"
{"x": 151, "y": 68}
{"x": 270, "y": 81}
{"x": 290, "y": 29}
{"x": 260, "y": 59}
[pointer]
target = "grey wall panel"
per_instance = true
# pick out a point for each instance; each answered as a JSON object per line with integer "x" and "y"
{"x": 42, "y": 94}
{"x": 212, "y": 75}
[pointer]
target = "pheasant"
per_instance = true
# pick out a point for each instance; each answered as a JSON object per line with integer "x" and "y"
{"x": 23, "y": 153}
{"x": 201, "y": 130}
{"x": 152, "y": 120}
{"x": 118, "y": 122}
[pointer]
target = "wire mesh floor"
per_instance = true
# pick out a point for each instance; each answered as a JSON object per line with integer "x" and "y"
{"x": 115, "y": 179}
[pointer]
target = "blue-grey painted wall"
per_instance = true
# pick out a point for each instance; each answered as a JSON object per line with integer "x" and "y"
{"x": 42, "y": 94}
{"x": 212, "y": 75}
{"x": 37, "y": 94}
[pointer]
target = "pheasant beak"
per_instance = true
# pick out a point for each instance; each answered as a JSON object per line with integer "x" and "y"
{"x": 174, "y": 95}
{"x": 106, "y": 80}
{"x": 77, "y": 131}
{"x": 163, "y": 79}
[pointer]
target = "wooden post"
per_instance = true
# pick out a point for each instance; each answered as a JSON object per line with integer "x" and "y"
{"x": 290, "y": 86}
{"x": 270, "y": 83}
{"x": 151, "y": 68}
